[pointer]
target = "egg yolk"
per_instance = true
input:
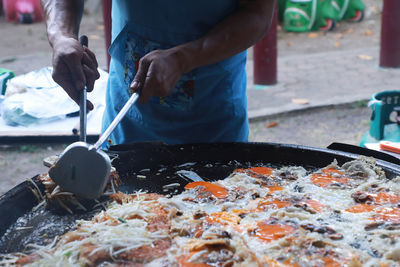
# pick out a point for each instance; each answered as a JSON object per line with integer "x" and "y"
{"x": 360, "y": 208}
{"x": 387, "y": 215}
{"x": 262, "y": 170}
{"x": 269, "y": 232}
{"x": 217, "y": 190}
{"x": 385, "y": 197}
{"x": 326, "y": 178}
{"x": 223, "y": 218}
{"x": 258, "y": 170}
{"x": 274, "y": 188}
{"x": 264, "y": 203}
{"x": 379, "y": 198}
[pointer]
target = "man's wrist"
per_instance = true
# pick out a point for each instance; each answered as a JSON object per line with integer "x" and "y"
{"x": 59, "y": 37}
{"x": 187, "y": 55}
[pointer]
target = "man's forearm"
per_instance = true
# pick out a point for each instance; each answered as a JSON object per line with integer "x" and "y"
{"x": 63, "y": 18}
{"x": 234, "y": 34}
{"x": 74, "y": 66}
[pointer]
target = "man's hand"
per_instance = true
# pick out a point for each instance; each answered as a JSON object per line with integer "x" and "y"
{"x": 74, "y": 67}
{"x": 158, "y": 73}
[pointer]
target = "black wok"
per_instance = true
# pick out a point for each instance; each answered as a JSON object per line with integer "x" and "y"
{"x": 159, "y": 164}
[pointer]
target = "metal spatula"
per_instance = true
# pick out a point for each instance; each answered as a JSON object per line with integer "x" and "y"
{"x": 83, "y": 169}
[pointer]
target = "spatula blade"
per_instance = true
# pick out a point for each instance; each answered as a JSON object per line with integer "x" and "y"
{"x": 82, "y": 170}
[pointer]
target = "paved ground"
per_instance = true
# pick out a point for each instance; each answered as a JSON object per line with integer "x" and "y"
{"x": 326, "y": 78}
{"x": 316, "y": 72}
{"x": 317, "y": 127}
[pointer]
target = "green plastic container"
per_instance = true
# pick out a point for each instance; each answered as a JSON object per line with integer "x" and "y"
{"x": 349, "y": 9}
{"x": 5, "y": 75}
{"x": 309, "y": 15}
{"x": 382, "y": 126}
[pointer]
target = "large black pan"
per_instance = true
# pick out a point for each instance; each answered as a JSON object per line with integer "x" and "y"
{"x": 159, "y": 163}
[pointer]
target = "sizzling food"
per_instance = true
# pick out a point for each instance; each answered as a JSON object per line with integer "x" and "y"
{"x": 337, "y": 216}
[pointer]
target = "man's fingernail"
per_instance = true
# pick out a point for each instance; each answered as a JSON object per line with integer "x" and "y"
{"x": 134, "y": 85}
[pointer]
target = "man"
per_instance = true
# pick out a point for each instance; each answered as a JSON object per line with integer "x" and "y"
{"x": 186, "y": 58}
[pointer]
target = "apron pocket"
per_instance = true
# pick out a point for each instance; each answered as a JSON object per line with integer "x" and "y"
{"x": 182, "y": 96}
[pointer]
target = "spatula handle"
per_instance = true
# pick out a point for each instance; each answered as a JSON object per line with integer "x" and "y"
{"x": 82, "y": 101}
{"x": 82, "y": 116}
{"x": 117, "y": 120}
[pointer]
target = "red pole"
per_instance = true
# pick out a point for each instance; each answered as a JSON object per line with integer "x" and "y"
{"x": 265, "y": 55}
{"x": 390, "y": 34}
{"x": 107, "y": 27}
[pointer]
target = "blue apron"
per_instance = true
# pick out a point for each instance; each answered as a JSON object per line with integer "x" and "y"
{"x": 208, "y": 104}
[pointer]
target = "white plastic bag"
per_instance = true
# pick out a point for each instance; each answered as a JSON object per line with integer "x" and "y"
{"x": 34, "y": 98}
